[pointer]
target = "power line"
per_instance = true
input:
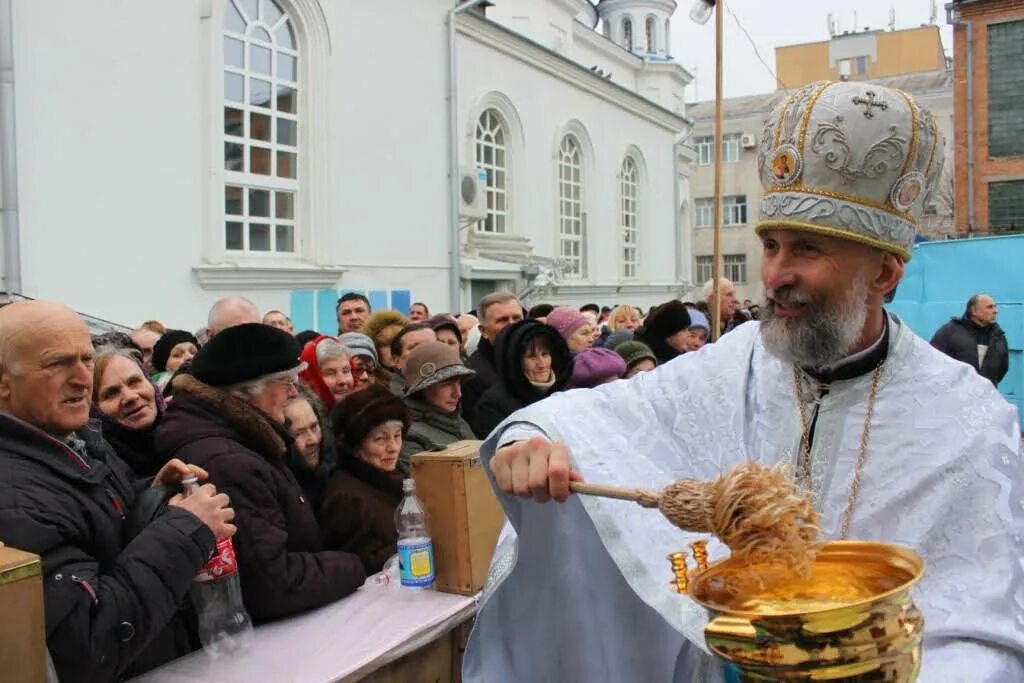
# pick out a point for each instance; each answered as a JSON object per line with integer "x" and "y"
{"x": 757, "y": 52}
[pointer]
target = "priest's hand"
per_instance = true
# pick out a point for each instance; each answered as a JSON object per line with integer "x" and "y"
{"x": 537, "y": 469}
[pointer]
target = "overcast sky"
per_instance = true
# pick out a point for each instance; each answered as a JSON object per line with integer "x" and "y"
{"x": 775, "y": 23}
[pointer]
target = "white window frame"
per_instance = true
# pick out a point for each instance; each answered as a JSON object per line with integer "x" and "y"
{"x": 734, "y": 210}
{"x": 704, "y": 212}
{"x": 705, "y": 146}
{"x": 629, "y": 199}
{"x": 571, "y": 218}
{"x": 731, "y": 148}
{"x": 491, "y": 155}
{"x": 704, "y": 267}
{"x": 734, "y": 268}
{"x": 244, "y": 181}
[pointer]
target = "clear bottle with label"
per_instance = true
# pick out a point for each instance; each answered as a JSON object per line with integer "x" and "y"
{"x": 415, "y": 550}
{"x": 224, "y": 624}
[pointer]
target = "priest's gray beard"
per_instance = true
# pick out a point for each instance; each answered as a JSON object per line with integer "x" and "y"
{"x": 824, "y": 335}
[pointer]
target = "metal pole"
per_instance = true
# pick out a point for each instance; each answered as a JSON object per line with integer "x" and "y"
{"x": 716, "y": 272}
{"x": 8, "y": 153}
{"x": 455, "y": 284}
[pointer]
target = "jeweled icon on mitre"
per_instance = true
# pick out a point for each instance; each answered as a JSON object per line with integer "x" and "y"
{"x": 785, "y": 165}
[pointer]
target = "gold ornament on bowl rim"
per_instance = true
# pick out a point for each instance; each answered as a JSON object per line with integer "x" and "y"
{"x": 850, "y": 619}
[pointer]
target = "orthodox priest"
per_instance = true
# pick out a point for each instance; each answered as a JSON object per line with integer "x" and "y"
{"x": 896, "y": 441}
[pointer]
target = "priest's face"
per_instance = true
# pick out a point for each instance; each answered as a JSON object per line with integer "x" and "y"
{"x": 816, "y": 296}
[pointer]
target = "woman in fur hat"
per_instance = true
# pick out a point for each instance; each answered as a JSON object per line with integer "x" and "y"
{"x": 358, "y": 510}
{"x": 666, "y": 330}
{"x": 382, "y": 327}
{"x": 228, "y": 418}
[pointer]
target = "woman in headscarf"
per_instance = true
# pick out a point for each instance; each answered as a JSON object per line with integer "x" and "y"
{"x": 130, "y": 406}
{"x": 328, "y": 370}
{"x": 533, "y": 361}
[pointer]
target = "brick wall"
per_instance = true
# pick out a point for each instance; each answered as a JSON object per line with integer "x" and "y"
{"x": 987, "y": 169}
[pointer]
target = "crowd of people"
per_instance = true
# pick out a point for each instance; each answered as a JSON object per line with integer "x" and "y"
{"x": 302, "y": 440}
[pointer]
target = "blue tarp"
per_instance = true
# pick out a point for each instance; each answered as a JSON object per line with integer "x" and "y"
{"x": 941, "y": 276}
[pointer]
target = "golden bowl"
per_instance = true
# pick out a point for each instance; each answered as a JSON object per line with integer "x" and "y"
{"x": 851, "y": 619}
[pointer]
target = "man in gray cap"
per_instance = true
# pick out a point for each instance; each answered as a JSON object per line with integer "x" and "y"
{"x": 894, "y": 441}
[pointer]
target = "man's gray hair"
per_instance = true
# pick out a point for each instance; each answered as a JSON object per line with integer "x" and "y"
{"x": 329, "y": 349}
{"x": 491, "y": 300}
{"x": 222, "y": 307}
{"x": 255, "y": 387}
{"x": 709, "y": 286}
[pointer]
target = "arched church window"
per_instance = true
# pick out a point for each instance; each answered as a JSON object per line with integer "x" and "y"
{"x": 261, "y": 128}
{"x": 627, "y": 33}
{"x": 629, "y": 186}
{"x": 570, "y": 203}
{"x": 651, "y": 34}
{"x": 491, "y": 157}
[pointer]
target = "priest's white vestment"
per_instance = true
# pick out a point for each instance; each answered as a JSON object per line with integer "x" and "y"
{"x": 582, "y": 594}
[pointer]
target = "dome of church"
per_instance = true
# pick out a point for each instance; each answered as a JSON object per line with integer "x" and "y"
{"x": 640, "y": 26}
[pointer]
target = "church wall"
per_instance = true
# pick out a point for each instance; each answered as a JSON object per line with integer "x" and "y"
{"x": 544, "y": 104}
{"x": 118, "y": 168}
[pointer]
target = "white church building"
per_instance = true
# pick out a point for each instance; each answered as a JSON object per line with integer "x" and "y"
{"x": 156, "y": 156}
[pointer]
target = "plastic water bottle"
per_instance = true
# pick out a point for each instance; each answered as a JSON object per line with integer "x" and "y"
{"x": 415, "y": 550}
{"x": 224, "y": 625}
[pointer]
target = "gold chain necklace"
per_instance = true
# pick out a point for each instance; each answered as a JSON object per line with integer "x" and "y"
{"x": 805, "y": 444}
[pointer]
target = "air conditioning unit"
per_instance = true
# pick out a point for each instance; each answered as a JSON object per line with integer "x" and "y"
{"x": 748, "y": 141}
{"x": 472, "y": 193}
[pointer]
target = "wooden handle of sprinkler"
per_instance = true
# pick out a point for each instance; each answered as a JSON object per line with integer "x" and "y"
{"x": 634, "y": 495}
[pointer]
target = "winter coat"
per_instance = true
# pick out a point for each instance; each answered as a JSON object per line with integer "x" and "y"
{"x": 959, "y": 339}
{"x": 431, "y": 429}
{"x": 513, "y": 391}
{"x": 137, "y": 447}
{"x": 358, "y": 511}
{"x": 474, "y": 387}
{"x": 283, "y": 567}
{"x": 112, "y": 603}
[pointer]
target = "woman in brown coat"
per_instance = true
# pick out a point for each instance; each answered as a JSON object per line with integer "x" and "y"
{"x": 358, "y": 510}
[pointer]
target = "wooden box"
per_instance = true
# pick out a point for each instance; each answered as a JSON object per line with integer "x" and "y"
{"x": 22, "y": 626}
{"x": 464, "y": 514}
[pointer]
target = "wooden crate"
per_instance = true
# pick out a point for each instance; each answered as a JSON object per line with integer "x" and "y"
{"x": 22, "y": 628}
{"x": 465, "y": 516}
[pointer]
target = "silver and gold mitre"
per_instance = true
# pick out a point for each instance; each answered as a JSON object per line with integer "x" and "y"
{"x": 852, "y": 160}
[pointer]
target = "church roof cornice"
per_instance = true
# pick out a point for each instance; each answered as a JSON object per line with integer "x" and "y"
{"x": 517, "y": 46}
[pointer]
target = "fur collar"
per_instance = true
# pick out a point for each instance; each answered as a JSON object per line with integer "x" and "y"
{"x": 255, "y": 428}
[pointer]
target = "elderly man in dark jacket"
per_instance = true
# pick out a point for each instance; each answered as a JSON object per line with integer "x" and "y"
{"x": 496, "y": 311}
{"x": 975, "y": 338}
{"x": 228, "y": 417}
{"x": 111, "y": 601}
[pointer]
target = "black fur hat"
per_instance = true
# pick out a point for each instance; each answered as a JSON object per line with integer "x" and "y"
{"x": 246, "y": 352}
{"x": 361, "y": 411}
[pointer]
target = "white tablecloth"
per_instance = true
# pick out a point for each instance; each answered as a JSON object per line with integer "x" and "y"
{"x": 360, "y": 633}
